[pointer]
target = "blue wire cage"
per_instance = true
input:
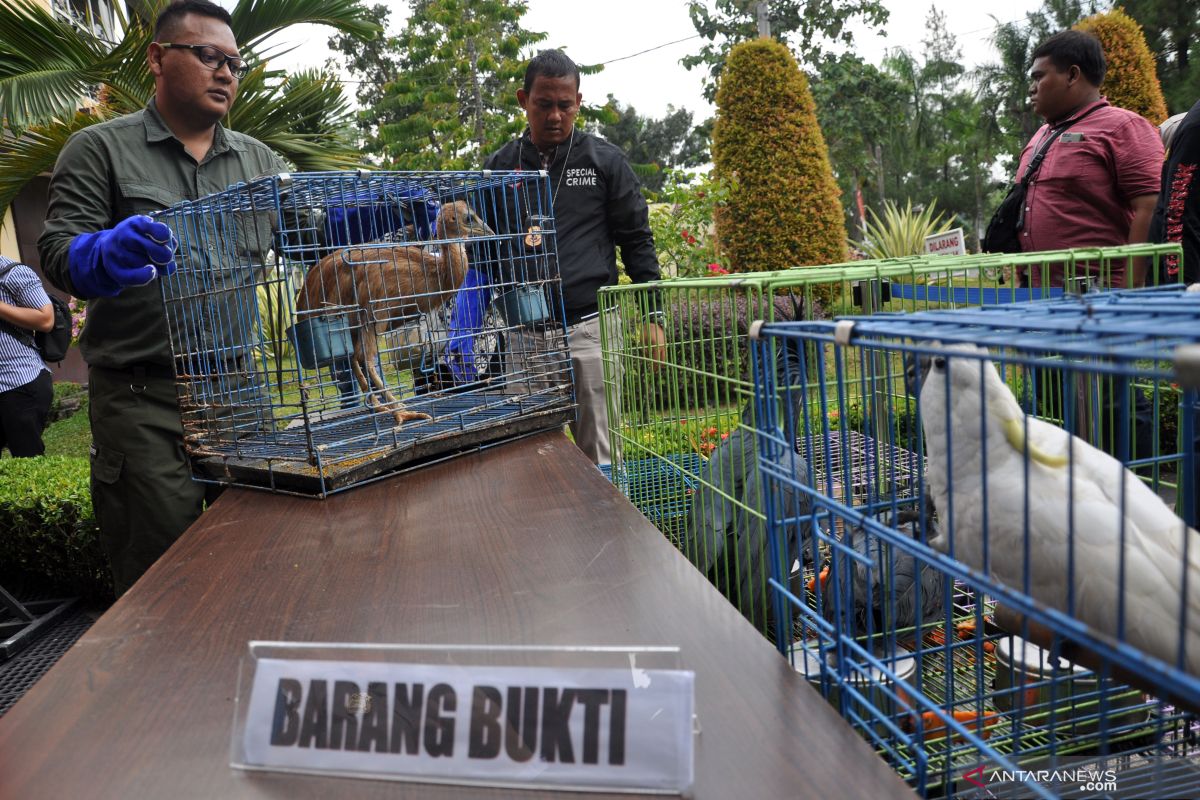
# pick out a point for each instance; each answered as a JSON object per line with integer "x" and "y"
{"x": 331, "y": 328}
{"x": 968, "y": 608}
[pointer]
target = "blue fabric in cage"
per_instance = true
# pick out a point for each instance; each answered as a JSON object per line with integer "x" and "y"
{"x": 371, "y": 214}
{"x": 466, "y": 322}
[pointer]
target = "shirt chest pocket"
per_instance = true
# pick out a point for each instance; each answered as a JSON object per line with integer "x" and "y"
{"x": 144, "y": 198}
{"x": 1082, "y": 164}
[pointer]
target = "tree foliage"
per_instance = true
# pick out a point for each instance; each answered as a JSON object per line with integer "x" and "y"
{"x": 658, "y": 146}
{"x": 450, "y": 81}
{"x": 784, "y": 209}
{"x": 859, "y": 106}
{"x": 917, "y": 131}
{"x": 373, "y": 63}
{"x": 1172, "y": 29}
{"x": 47, "y": 65}
{"x": 807, "y": 26}
{"x": 1131, "y": 81}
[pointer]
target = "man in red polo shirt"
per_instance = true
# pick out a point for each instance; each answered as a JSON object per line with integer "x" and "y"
{"x": 1099, "y": 181}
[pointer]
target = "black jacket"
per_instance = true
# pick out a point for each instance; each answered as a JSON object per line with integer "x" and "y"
{"x": 597, "y": 205}
{"x": 1177, "y": 215}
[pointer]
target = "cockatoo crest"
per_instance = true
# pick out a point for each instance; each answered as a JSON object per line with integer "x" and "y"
{"x": 975, "y": 384}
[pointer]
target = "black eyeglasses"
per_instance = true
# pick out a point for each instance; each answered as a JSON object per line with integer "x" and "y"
{"x": 213, "y": 58}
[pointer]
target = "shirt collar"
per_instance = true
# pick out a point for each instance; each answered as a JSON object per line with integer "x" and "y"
{"x": 1079, "y": 112}
{"x": 157, "y": 131}
{"x": 527, "y": 144}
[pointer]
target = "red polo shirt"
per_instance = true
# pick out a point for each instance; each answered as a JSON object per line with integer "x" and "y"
{"x": 1081, "y": 195}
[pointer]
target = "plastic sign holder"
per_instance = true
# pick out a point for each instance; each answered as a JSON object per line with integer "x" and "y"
{"x": 612, "y": 719}
{"x": 949, "y": 243}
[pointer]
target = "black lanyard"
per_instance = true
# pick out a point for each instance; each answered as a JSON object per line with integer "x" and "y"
{"x": 1048, "y": 139}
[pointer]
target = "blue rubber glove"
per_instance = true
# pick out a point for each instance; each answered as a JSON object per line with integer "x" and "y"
{"x": 133, "y": 253}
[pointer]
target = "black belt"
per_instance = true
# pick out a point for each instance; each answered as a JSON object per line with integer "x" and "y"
{"x": 576, "y": 317}
{"x": 555, "y": 325}
{"x": 139, "y": 371}
{"x": 138, "y": 374}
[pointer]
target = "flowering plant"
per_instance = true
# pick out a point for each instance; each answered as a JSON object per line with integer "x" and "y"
{"x": 684, "y": 233}
{"x": 78, "y": 317}
{"x": 701, "y": 435}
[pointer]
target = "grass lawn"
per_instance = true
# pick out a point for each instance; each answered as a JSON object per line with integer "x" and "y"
{"x": 70, "y": 436}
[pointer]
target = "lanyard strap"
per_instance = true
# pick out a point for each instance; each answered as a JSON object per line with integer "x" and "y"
{"x": 1051, "y": 136}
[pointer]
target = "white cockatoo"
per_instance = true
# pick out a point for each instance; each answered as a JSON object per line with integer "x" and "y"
{"x": 1029, "y": 464}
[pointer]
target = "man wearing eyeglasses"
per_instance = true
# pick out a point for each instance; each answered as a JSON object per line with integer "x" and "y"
{"x": 100, "y": 245}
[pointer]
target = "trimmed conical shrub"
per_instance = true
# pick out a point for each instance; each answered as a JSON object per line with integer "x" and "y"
{"x": 1132, "y": 81}
{"x": 785, "y": 208}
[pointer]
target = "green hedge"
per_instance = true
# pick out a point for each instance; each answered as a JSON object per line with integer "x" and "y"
{"x": 785, "y": 208}
{"x": 1131, "y": 81}
{"x": 46, "y": 525}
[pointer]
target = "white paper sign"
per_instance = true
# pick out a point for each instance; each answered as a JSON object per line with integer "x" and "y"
{"x": 945, "y": 244}
{"x": 621, "y": 728}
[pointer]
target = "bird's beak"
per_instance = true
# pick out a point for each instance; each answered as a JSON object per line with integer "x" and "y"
{"x": 479, "y": 228}
{"x": 915, "y": 369}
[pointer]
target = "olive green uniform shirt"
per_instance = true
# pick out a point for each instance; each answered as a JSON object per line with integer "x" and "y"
{"x": 135, "y": 165}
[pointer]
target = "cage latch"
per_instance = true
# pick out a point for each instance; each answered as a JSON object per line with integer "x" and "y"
{"x": 1187, "y": 365}
{"x": 842, "y": 331}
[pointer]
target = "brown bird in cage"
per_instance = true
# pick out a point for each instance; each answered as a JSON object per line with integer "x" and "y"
{"x": 391, "y": 284}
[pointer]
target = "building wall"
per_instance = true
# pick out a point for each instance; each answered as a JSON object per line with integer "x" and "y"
{"x": 28, "y": 216}
{"x": 8, "y": 236}
{"x": 23, "y": 222}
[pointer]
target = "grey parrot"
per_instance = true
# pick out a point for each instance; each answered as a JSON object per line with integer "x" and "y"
{"x": 723, "y": 537}
{"x": 882, "y": 598}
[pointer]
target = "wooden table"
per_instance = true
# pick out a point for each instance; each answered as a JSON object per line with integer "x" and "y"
{"x": 525, "y": 543}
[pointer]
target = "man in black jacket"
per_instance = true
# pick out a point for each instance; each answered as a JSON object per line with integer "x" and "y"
{"x": 1177, "y": 219}
{"x": 1177, "y": 215}
{"x": 598, "y": 206}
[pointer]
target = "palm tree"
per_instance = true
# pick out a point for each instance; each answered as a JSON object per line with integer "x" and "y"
{"x": 48, "y": 64}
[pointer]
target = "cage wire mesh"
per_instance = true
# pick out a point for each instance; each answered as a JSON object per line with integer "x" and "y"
{"x": 1007, "y": 593}
{"x": 329, "y": 328}
{"x": 680, "y": 430}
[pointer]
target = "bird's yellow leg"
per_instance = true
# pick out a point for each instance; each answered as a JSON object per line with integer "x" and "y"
{"x": 1014, "y": 433}
{"x": 364, "y": 385}
{"x": 397, "y": 409}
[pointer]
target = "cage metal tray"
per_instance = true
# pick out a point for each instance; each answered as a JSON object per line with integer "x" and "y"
{"x": 340, "y": 456}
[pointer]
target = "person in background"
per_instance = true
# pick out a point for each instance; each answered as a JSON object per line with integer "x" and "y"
{"x": 1099, "y": 181}
{"x": 1096, "y": 187}
{"x": 1177, "y": 219}
{"x": 25, "y": 385}
{"x": 596, "y": 210}
{"x": 1177, "y": 214}
{"x": 100, "y": 245}
{"x": 1167, "y": 129}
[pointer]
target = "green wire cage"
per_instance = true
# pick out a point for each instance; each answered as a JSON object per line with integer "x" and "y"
{"x": 680, "y": 423}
